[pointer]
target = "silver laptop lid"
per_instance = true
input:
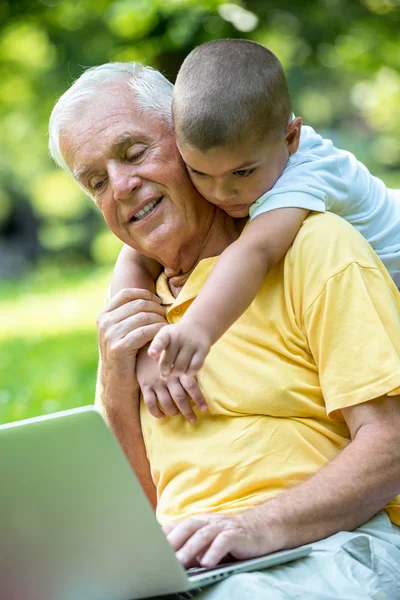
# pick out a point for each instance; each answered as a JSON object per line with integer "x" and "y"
{"x": 74, "y": 522}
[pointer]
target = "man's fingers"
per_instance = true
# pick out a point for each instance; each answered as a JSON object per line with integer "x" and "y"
{"x": 129, "y": 295}
{"x": 108, "y": 318}
{"x": 198, "y": 543}
{"x": 181, "y": 399}
{"x": 169, "y": 527}
{"x": 192, "y": 388}
{"x": 182, "y": 531}
{"x": 138, "y": 338}
{"x": 220, "y": 546}
{"x": 132, "y": 323}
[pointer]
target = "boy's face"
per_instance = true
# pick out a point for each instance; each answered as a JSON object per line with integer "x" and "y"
{"x": 233, "y": 177}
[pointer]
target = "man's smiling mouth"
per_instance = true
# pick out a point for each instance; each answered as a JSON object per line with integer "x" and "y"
{"x": 146, "y": 210}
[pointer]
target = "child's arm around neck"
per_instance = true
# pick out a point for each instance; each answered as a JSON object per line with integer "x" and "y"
{"x": 133, "y": 270}
{"x": 242, "y": 268}
{"x": 229, "y": 290}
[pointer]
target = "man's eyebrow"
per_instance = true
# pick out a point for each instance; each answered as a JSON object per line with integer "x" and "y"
{"x": 124, "y": 140}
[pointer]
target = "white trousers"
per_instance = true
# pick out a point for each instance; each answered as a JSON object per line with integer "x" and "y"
{"x": 360, "y": 565}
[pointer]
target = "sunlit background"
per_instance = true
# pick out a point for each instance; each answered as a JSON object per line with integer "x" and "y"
{"x": 342, "y": 59}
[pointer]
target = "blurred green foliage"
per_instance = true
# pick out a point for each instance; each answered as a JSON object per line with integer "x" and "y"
{"x": 342, "y": 61}
{"x": 48, "y": 349}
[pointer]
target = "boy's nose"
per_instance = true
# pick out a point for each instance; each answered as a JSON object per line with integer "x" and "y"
{"x": 223, "y": 194}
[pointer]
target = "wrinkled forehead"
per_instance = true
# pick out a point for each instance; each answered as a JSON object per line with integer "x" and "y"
{"x": 101, "y": 124}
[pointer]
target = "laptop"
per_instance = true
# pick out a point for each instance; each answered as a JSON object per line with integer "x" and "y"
{"x": 75, "y": 523}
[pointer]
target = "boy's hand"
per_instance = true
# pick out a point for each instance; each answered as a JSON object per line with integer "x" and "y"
{"x": 167, "y": 397}
{"x": 180, "y": 349}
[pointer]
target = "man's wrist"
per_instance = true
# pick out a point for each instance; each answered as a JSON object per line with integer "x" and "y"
{"x": 264, "y": 520}
{"x": 118, "y": 384}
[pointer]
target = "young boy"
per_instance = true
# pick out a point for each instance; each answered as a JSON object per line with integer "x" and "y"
{"x": 246, "y": 153}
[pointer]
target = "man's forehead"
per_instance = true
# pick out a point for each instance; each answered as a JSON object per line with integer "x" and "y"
{"x": 109, "y": 147}
{"x": 103, "y": 125}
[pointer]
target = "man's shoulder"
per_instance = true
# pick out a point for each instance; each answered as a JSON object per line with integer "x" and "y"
{"x": 327, "y": 229}
{"x": 320, "y": 224}
{"x": 325, "y": 245}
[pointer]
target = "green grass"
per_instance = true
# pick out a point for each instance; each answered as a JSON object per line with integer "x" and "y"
{"x": 48, "y": 342}
{"x": 39, "y": 376}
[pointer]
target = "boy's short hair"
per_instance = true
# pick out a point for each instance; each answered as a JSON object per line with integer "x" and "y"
{"x": 228, "y": 90}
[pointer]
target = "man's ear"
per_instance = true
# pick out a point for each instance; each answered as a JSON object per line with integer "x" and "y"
{"x": 293, "y": 131}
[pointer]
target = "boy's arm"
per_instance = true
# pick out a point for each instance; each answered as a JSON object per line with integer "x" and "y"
{"x": 228, "y": 292}
{"x": 241, "y": 269}
{"x": 133, "y": 270}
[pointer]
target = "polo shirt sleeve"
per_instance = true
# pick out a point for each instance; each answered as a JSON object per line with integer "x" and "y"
{"x": 353, "y": 331}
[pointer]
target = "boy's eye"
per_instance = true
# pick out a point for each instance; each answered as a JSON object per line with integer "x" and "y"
{"x": 244, "y": 172}
{"x": 197, "y": 173}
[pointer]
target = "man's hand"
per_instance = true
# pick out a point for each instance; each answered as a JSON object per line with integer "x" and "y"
{"x": 129, "y": 321}
{"x": 207, "y": 539}
{"x": 180, "y": 349}
{"x": 167, "y": 397}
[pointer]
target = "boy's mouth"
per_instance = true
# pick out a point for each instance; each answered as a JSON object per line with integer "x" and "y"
{"x": 233, "y": 207}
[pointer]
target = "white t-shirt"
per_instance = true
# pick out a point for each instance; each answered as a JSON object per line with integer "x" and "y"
{"x": 320, "y": 177}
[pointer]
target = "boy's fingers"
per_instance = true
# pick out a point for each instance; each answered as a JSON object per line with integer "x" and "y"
{"x": 182, "y": 360}
{"x": 167, "y": 360}
{"x": 192, "y": 388}
{"x": 196, "y": 362}
{"x": 181, "y": 399}
{"x": 166, "y": 403}
{"x": 150, "y": 400}
{"x": 161, "y": 342}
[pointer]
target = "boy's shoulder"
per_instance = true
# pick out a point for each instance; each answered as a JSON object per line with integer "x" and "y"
{"x": 318, "y": 168}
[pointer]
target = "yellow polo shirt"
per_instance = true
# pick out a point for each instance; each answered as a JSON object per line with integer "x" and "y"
{"x": 323, "y": 333}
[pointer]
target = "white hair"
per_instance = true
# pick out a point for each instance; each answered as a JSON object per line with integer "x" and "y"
{"x": 153, "y": 93}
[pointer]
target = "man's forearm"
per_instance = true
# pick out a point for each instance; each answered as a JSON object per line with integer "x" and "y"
{"x": 129, "y": 321}
{"x": 120, "y": 405}
{"x": 342, "y": 496}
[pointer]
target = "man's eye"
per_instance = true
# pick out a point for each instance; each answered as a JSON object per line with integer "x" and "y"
{"x": 244, "y": 172}
{"x": 98, "y": 185}
{"x": 135, "y": 156}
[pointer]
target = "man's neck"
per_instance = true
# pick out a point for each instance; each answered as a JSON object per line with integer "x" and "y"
{"x": 221, "y": 231}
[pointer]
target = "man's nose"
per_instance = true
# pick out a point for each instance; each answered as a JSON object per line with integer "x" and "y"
{"x": 124, "y": 180}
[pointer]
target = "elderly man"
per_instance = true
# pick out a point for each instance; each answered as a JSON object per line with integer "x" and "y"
{"x": 301, "y": 440}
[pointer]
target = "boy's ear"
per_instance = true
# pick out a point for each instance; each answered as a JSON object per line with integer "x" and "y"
{"x": 293, "y": 131}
